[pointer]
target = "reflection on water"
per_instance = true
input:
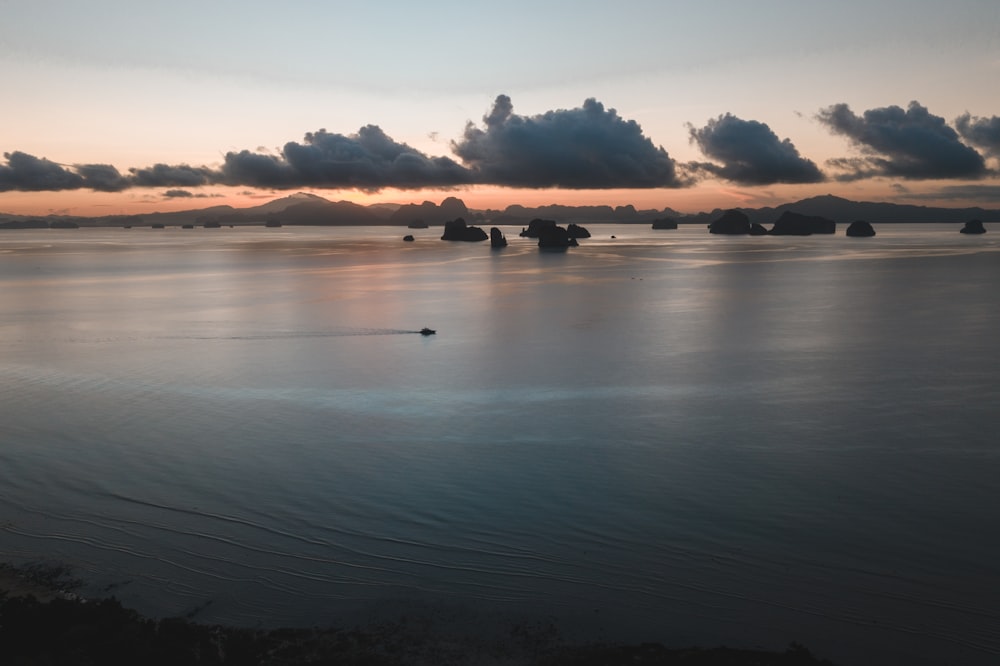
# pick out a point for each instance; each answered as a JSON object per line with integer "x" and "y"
{"x": 665, "y": 436}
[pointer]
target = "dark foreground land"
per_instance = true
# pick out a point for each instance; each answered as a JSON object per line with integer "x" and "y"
{"x": 43, "y": 623}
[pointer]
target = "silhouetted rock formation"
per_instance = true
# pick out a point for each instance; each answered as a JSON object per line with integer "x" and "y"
{"x": 457, "y": 230}
{"x": 309, "y": 209}
{"x": 417, "y": 224}
{"x": 555, "y": 238}
{"x": 794, "y": 224}
{"x": 732, "y": 223}
{"x": 576, "y": 231}
{"x": 408, "y": 238}
{"x": 757, "y": 230}
{"x": 429, "y": 213}
{"x": 496, "y": 238}
{"x": 665, "y": 223}
{"x": 860, "y": 229}
{"x": 973, "y": 227}
{"x": 536, "y": 226}
{"x": 64, "y": 224}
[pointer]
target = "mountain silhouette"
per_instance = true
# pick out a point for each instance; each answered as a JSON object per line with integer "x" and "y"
{"x": 303, "y": 208}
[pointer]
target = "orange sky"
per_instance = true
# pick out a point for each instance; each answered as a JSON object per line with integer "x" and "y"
{"x": 189, "y": 83}
{"x": 702, "y": 198}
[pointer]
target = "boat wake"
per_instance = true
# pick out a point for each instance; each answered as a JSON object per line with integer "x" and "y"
{"x": 295, "y": 335}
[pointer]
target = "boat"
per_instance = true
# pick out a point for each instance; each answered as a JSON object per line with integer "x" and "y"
{"x": 427, "y": 331}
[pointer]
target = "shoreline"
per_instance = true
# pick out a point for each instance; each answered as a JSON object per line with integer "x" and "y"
{"x": 43, "y": 621}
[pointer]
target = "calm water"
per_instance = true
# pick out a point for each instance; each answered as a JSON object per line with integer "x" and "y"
{"x": 665, "y": 436}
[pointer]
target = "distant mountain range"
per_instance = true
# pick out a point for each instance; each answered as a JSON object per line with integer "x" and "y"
{"x": 309, "y": 209}
{"x": 844, "y": 211}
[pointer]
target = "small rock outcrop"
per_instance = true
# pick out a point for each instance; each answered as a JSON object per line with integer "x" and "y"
{"x": 794, "y": 224}
{"x": 973, "y": 227}
{"x": 576, "y": 231}
{"x": 458, "y": 230}
{"x": 757, "y": 230}
{"x": 496, "y": 238}
{"x": 860, "y": 229}
{"x": 536, "y": 226}
{"x": 555, "y": 238}
{"x": 665, "y": 223}
{"x": 732, "y": 223}
{"x": 408, "y": 238}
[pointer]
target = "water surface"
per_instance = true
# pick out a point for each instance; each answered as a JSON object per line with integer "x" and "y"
{"x": 664, "y": 436}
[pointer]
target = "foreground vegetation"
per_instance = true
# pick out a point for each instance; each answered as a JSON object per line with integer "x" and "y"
{"x": 61, "y": 629}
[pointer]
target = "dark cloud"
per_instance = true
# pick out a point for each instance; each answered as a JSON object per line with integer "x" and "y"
{"x": 589, "y": 147}
{"x": 185, "y": 194}
{"x": 981, "y": 132}
{"x": 36, "y": 174}
{"x": 910, "y": 144}
{"x": 166, "y": 175}
{"x": 29, "y": 173}
{"x": 103, "y": 177}
{"x": 583, "y": 148}
{"x": 751, "y": 154}
{"x": 368, "y": 160}
{"x": 257, "y": 170}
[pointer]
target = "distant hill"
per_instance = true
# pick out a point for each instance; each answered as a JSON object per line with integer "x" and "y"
{"x": 309, "y": 209}
{"x": 282, "y": 204}
{"x": 430, "y": 213}
{"x": 299, "y": 209}
{"x": 845, "y": 211}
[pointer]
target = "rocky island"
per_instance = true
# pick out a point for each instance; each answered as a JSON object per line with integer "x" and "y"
{"x": 497, "y": 239}
{"x": 732, "y": 223}
{"x": 458, "y": 230}
{"x": 556, "y": 238}
{"x": 860, "y": 229}
{"x": 973, "y": 227}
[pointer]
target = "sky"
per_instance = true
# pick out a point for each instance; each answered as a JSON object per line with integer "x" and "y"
{"x": 124, "y": 107}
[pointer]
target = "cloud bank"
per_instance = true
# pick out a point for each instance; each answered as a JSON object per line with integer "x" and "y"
{"x": 588, "y": 147}
{"x": 24, "y": 172}
{"x": 368, "y": 160}
{"x": 981, "y": 132}
{"x": 911, "y": 144}
{"x": 750, "y": 153}
{"x": 165, "y": 175}
{"x": 583, "y": 148}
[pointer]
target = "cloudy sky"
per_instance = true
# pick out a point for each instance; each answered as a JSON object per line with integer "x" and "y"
{"x": 115, "y": 106}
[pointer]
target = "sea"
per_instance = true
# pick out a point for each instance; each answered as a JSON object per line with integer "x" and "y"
{"x": 657, "y": 436}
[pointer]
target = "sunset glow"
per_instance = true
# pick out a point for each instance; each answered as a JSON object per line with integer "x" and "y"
{"x": 531, "y": 332}
{"x": 684, "y": 109}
